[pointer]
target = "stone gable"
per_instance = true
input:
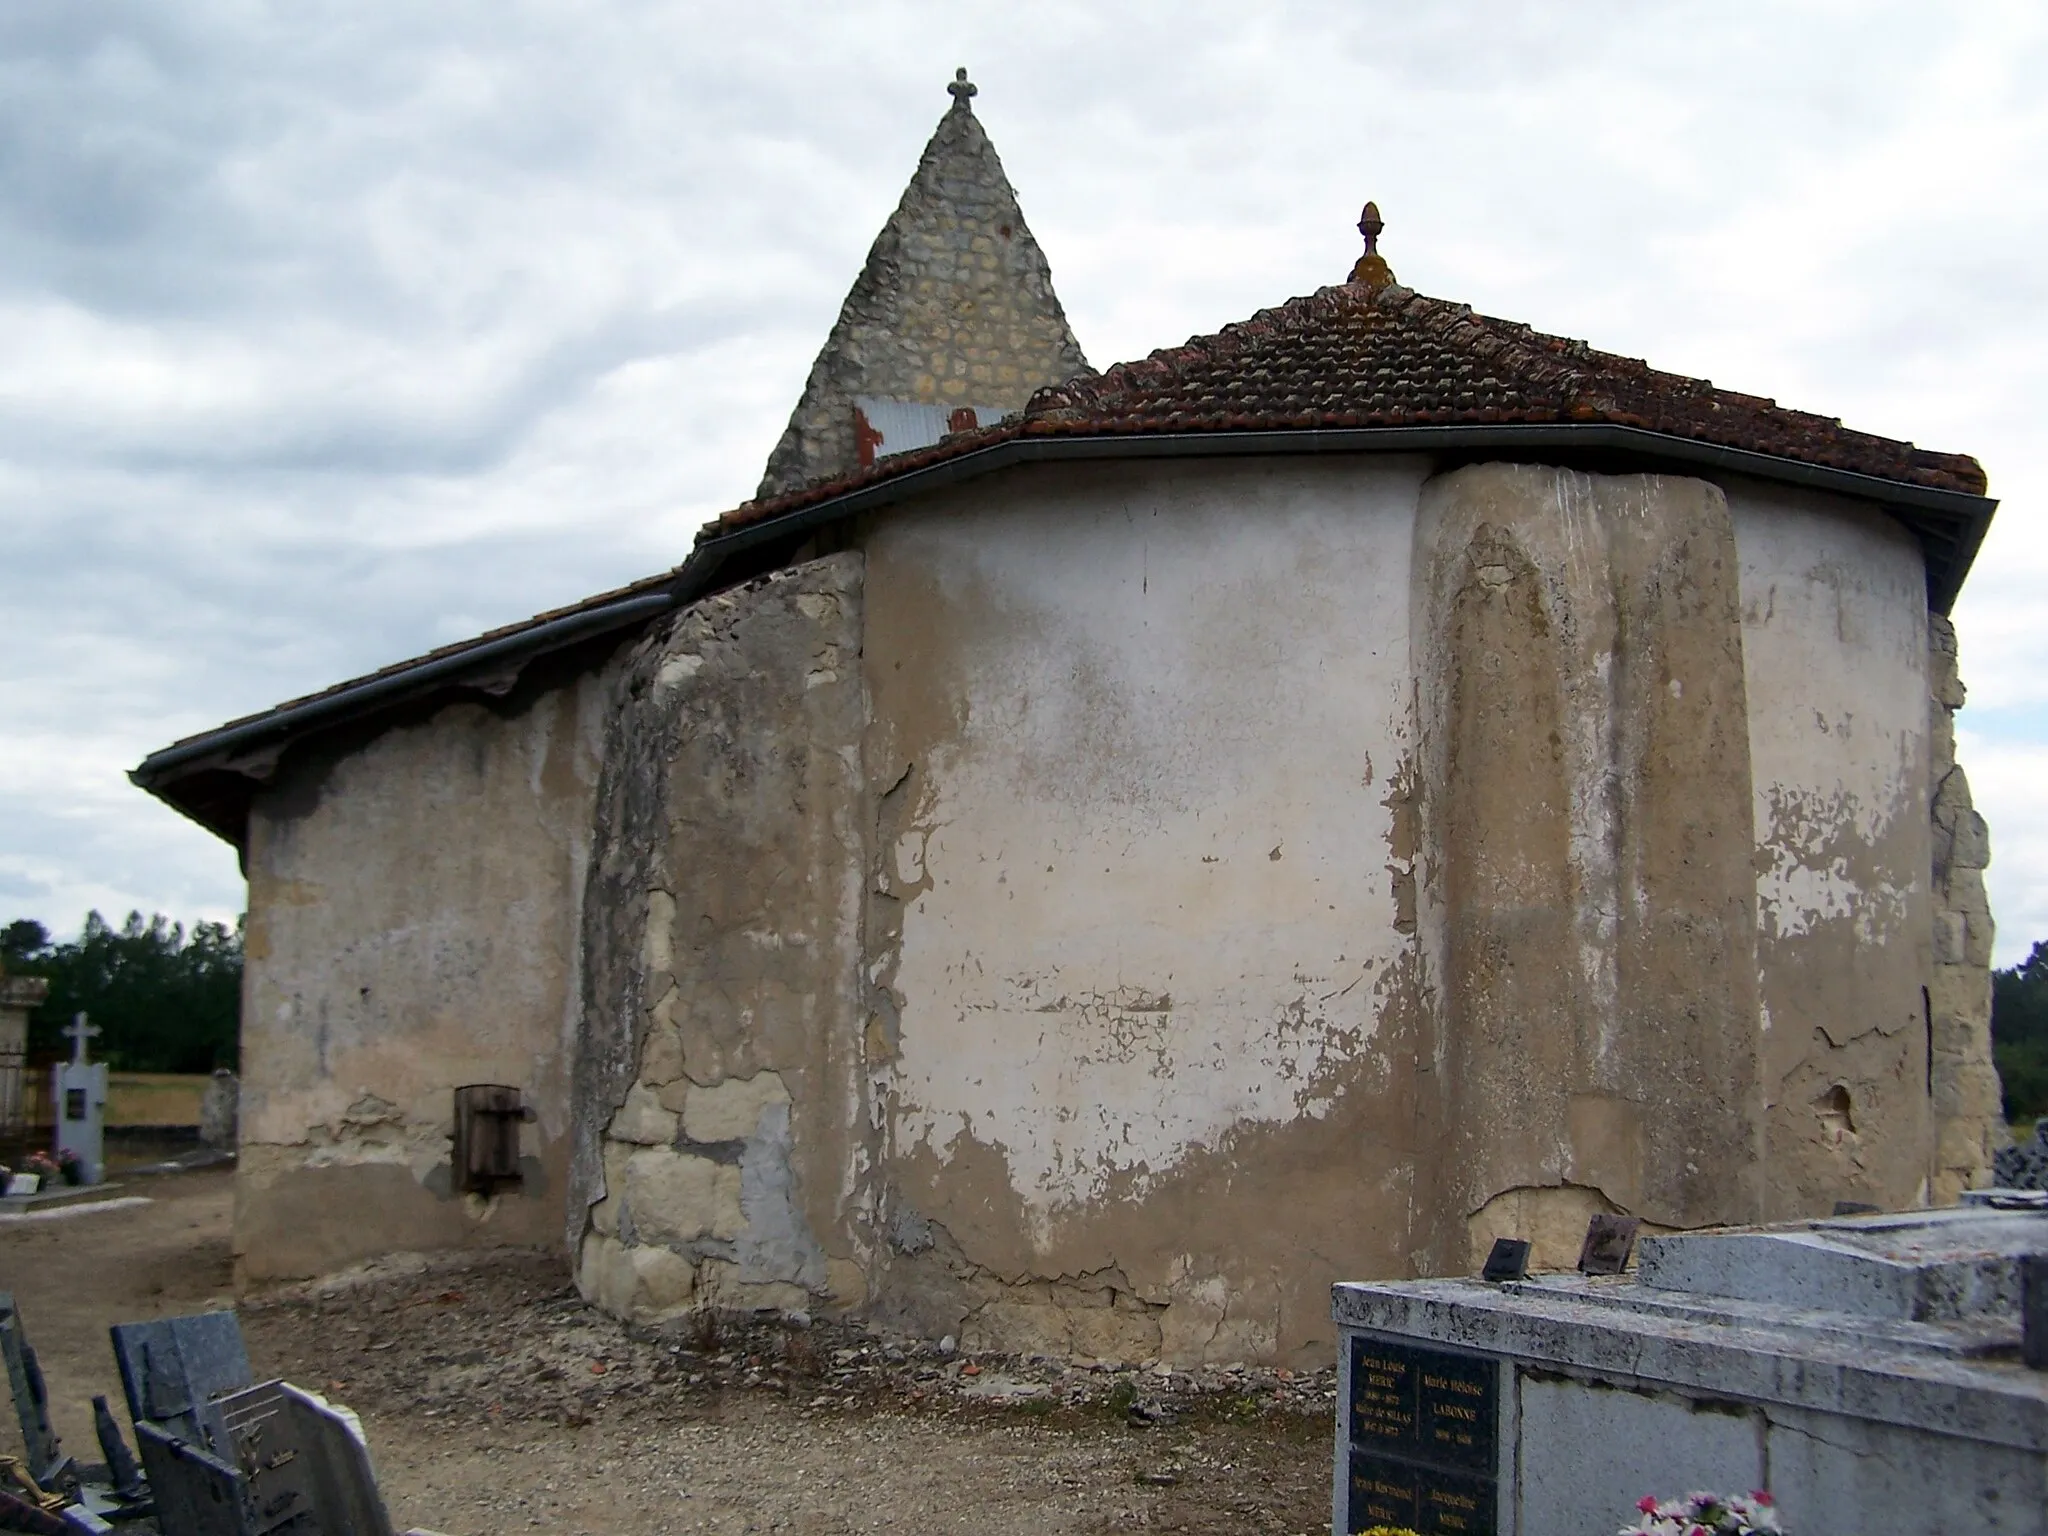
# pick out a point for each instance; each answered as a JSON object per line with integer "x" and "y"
{"x": 954, "y": 307}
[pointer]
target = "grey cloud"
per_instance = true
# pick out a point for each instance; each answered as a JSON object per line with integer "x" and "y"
{"x": 330, "y": 328}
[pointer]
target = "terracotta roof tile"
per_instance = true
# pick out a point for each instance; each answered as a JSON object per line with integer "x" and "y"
{"x": 1354, "y": 356}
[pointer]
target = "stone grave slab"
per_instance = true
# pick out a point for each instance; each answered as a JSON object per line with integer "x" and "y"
{"x": 174, "y": 1369}
{"x": 61, "y": 1194}
{"x": 42, "y": 1452}
{"x": 1867, "y": 1370}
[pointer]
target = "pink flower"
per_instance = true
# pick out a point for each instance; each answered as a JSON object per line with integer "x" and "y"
{"x": 1647, "y": 1504}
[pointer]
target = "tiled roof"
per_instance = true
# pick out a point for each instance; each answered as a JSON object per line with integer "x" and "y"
{"x": 1355, "y": 356}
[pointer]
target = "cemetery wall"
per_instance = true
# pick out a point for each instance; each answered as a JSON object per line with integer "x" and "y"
{"x": 414, "y": 903}
{"x": 155, "y": 1098}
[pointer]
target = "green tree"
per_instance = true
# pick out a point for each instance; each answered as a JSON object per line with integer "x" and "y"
{"x": 165, "y": 1000}
{"x": 2019, "y": 1034}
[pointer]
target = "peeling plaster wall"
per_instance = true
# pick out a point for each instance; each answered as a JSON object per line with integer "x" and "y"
{"x": 1117, "y": 901}
{"x": 413, "y": 912}
{"x": 718, "y": 1159}
{"x": 1142, "y": 1033}
{"x": 1835, "y": 635}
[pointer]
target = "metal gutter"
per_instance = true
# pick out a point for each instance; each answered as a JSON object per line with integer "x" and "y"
{"x": 1970, "y": 513}
{"x": 391, "y": 687}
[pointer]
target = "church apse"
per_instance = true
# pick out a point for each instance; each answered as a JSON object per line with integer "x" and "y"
{"x": 1259, "y": 818}
{"x": 1109, "y": 905}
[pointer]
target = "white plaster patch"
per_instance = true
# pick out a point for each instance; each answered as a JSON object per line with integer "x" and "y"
{"x": 1105, "y": 968}
{"x": 1793, "y": 897}
{"x": 658, "y": 948}
{"x": 677, "y": 670}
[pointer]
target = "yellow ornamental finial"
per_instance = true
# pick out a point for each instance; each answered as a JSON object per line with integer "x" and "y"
{"x": 1371, "y": 269}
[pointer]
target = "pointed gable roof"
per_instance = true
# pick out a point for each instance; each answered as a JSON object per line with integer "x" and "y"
{"x": 954, "y": 307}
{"x": 1373, "y": 365}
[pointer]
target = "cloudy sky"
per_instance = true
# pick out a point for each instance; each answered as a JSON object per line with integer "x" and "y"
{"x": 331, "y": 332}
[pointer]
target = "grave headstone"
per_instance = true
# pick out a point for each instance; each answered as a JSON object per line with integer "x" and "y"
{"x": 290, "y": 1464}
{"x": 173, "y": 1370}
{"x": 44, "y": 1455}
{"x": 219, "y": 1111}
{"x": 1869, "y": 1371}
{"x": 197, "y": 1493}
{"x": 81, "y": 1098}
{"x": 303, "y": 1458}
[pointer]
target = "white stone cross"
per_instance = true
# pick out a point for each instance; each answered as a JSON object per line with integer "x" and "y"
{"x": 80, "y": 1032}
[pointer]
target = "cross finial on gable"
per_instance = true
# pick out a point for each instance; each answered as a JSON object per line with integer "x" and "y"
{"x": 961, "y": 90}
{"x": 80, "y": 1032}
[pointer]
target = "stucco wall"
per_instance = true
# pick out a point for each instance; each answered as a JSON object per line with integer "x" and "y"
{"x": 1144, "y": 1040}
{"x": 1834, "y": 634}
{"x": 1222, "y": 878}
{"x": 413, "y": 924}
{"x": 1587, "y": 900}
{"x": 1215, "y": 879}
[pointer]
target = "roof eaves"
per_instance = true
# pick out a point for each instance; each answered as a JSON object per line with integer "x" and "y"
{"x": 249, "y": 748}
{"x": 1935, "y": 514}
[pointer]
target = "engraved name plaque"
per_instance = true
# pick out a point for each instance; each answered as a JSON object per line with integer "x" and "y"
{"x": 1422, "y": 1432}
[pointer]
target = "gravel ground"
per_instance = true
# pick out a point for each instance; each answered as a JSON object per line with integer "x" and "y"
{"x": 495, "y": 1401}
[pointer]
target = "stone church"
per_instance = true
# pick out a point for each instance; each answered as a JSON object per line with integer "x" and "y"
{"x": 1082, "y": 861}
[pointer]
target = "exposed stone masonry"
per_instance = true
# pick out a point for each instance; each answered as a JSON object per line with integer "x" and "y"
{"x": 1968, "y": 1115}
{"x": 955, "y": 306}
{"x": 720, "y": 945}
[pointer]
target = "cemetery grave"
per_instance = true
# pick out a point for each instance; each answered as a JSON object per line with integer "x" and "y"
{"x": 222, "y": 1455}
{"x": 495, "y": 1401}
{"x": 1873, "y": 1372}
{"x": 75, "y": 1169}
